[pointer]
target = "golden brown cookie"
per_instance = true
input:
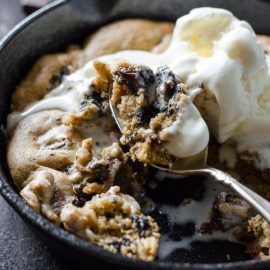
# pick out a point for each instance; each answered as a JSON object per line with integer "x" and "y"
{"x": 41, "y": 139}
{"x": 47, "y": 191}
{"x": 115, "y": 222}
{"x": 131, "y": 34}
{"x": 47, "y": 72}
{"x": 260, "y": 230}
{"x": 43, "y": 143}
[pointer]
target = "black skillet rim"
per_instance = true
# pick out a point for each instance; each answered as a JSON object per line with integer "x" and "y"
{"x": 44, "y": 225}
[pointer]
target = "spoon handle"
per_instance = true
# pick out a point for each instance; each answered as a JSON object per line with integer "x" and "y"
{"x": 255, "y": 200}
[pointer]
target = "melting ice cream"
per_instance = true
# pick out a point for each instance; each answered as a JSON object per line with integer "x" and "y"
{"x": 219, "y": 58}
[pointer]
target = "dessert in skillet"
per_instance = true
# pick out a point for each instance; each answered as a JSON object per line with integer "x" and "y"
{"x": 156, "y": 114}
{"x": 175, "y": 87}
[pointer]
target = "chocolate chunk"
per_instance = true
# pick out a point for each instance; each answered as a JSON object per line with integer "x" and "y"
{"x": 58, "y": 200}
{"x": 117, "y": 245}
{"x": 80, "y": 197}
{"x": 167, "y": 88}
{"x": 162, "y": 220}
{"x": 180, "y": 230}
{"x": 126, "y": 241}
{"x": 134, "y": 77}
{"x": 58, "y": 78}
{"x": 97, "y": 99}
{"x": 167, "y": 83}
{"x": 84, "y": 101}
{"x": 99, "y": 170}
{"x": 210, "y": 227}
{"x": 164, "y": 74}
{"x": 140, "y": 115}
{"x": 142, "y": 224}
{"x": 128, "y": 77}
{"x": 145, "y": 114}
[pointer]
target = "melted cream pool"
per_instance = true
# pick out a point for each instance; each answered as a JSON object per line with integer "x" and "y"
{"x": 101, "y": 133}
{"x": 192, "y": 214}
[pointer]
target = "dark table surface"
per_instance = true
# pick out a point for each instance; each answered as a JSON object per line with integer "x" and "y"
{"x": 19, "y": 247}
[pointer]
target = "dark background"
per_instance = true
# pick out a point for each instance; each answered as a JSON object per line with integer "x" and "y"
{"x": 19, "y": 247}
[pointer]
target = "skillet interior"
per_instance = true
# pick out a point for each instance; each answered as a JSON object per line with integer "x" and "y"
{"x": 58, "y": 21}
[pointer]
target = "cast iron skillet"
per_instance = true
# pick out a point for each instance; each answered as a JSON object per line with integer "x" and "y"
{"x": 50, "y": 30}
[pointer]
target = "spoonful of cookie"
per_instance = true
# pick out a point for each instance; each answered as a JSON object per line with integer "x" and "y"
{"x": 150, "y": 113}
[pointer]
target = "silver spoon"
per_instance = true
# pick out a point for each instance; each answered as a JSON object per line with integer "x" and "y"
{"x": 197, "y": 165}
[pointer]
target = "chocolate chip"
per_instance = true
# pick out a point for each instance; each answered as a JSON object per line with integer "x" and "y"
{"x": 144, "y": 114}
{"x": 80, "y": 197}
{"x": 210, "y": 227}
{"x": 134, "y": 77}
{"x": 126, "y": 241}
{"x": 168, "y": 88}
{"x": 167, "y": 84}
{"x": 97, "y": 100}
{"x": 142, "y": 224}
{"x": 109, "y": 215}
{"x": 58, "y": 78}
{"x": 180, "y": 230}
{"x": 127, "y": 77}
{"x": 58, "y": 199}
{"x": 140, "y": 114}
{"x": 164, "y": 74}
{"x": 117, "y": 245}
{"x": 162, "y": 220}
{"x": 84, "y": 101}
{"x": 100, "y": 171}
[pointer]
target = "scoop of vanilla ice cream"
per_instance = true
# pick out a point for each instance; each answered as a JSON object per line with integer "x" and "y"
{"x": 230, "y": 64}
{"x": 228, "y": 60}
{"x": 212, "y": 48}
